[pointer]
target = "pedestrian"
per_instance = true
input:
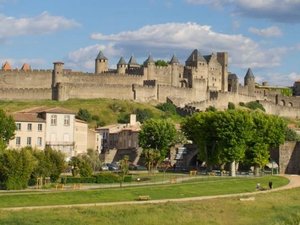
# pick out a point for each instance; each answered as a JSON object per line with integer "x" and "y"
{"x": 270, "y": 184}
{"x": 258, "y": 186}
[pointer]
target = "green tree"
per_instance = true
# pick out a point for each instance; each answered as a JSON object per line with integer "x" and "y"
{"x": 84, "y": 114}
{"x": 16, "y": 167}
{"x": 7, "y": 128}
{"x": 81, "y": 166}
{"x": 167, "y": 107}
{"x": 143, "y": 114}
{"x": 267, "y": 131}
{"x": 157, "y": 134}
{"x": 124, "y": 168}
{"x": 161, "y": 62}
{"x": 220, "y": 136}
{"x": 255, "y": 105}
{"x": 152, "y": 158}
{"x": 291, "y": 135}
{"x": 92, "y": 157}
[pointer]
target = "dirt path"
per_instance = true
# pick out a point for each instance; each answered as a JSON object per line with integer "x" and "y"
{"x": 294, "y": 183}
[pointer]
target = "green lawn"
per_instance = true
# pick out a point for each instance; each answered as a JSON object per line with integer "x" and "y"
{"x": 277, "y": 208}
{"x": 203, "y": 187}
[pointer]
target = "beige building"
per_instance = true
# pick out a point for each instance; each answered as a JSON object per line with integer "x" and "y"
{"x": 50, "y": 127}
{"x": 117, "y": 140}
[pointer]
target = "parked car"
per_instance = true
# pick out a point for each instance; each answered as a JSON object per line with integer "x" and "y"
{"x": 136, "y": 167}
{"x": 104, "y": 167}
{"x": 113, "y": 166}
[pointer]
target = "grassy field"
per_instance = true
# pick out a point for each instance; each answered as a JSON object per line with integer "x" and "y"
{"x": 204, "y": 187}
{"x": 272, "y": 208}
{"x": 108, "y": 110}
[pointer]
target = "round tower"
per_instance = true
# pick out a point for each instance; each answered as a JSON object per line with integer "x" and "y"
{"x": 175, "y": 71}
{"x": 150, "y": 64}
{"x": 101, "y": 63}
{"x": 121, "y": 66}
{"x": 57, "y": 73}
{"x": 249, "y": 81}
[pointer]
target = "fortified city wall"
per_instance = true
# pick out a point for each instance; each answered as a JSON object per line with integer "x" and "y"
{"x": 202, "y": 82}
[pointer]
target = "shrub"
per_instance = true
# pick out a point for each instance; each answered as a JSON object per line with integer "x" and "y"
{"x": 255, "y": 105}
{"x": 84, "y": 114}
{"x": 231, "y": 105}
{"x": 167, "y": 107}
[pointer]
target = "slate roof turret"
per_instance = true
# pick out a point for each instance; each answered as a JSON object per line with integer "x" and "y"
{"x": 149, "y": 60}
{"x": 101, "y": 56}
{"x": 132, "y": 61}
{"x": 121, "y": 61}
{"x": 249, "y": 74}
{"x": 174, "y": 60}
{"x": 195, "y": 57}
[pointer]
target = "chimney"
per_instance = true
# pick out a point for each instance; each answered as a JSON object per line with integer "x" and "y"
{"x": 132, "y": 119}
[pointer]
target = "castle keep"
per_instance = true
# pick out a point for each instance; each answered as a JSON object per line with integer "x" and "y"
{"x": 203, "y": 81}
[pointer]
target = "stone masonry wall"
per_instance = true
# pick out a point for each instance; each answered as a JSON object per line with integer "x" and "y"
{"x": 25, "y": 93}
{"x": 289, "y": 158}
{"x": 21, "y": 79}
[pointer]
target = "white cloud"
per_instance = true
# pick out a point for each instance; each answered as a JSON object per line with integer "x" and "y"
{"x": 279, "y": 79}
{"x": 272, "y": 31}
{"x": 41, "y": 24}
{"x": 276, "y": 10}
{"x": 84, "y": 58}
{"x": 164, "y": 39}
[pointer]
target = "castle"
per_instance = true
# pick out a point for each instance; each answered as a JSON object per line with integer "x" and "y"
{"x": 202, "y": 82}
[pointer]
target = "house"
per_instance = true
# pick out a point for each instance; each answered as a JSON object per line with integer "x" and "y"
{"x": 55, "y": 127}
{"x": 115, "y": 141}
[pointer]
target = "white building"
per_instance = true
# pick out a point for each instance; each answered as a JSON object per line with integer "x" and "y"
{"x": 54, "y": 127}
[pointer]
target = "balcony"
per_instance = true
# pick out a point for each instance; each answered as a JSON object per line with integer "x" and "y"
{"x": 60, "y": 143}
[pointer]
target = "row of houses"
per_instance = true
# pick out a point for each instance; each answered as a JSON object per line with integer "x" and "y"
{"x": 59, "y": 129}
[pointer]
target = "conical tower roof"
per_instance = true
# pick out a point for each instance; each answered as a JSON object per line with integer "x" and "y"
{"x": 196, "y": 57}
{"x": 101, "y": 56}
{"x": 249, "y": 74}
{"x": 174, "y": 60}
{"x": 121, "y": 61}
{"x": 26, "y": 67}
{"x": 6, "y": 66}
{"x": 149, "y": 60}
{"x": 132, "y": 61}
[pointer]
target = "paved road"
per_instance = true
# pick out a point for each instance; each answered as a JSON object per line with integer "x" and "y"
{"x": 294, "y": 183}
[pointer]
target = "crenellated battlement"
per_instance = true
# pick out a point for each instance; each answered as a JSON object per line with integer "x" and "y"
{"x": 203, "y": 81}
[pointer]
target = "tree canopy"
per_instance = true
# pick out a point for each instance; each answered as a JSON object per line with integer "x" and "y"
{"x": 157, "y": 134}
{"x": 234, "y": 136}
{"x": 7, "y": 127}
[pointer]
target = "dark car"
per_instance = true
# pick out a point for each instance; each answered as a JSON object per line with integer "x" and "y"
{"x": 136, "y": 167}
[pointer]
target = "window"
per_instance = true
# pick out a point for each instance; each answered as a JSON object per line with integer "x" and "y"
{"x": 18, "y": 141}
{"x": 67, "y": 120}
{"x": 39, "y": 141}
{"x": 29, "y": 126}
{"x": 40, "y": 127}
{"x": 18, "y": 125}
{"x": 29, "y": 141}
{"x": 53, "y": 120}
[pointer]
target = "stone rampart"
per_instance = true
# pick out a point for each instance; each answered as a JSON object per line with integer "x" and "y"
{"x": 145, "y": 93}
{"x": 280, "y": 110}
{"x": 25, "y": 93}
{"x": 288, "y": 157}
{"x": 21, "y": 79}
{"x": 165, "y": 91}
{"x": 89, "y": 91}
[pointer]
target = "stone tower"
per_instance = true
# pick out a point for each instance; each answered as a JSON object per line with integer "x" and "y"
{"x": 175, "y": 71}
{"x": 223, "y": 60}
{"x": 121, "y": 66}
{"x": 101, "y": 63}
{"x": 249, "y": 82}
{"x": 233, "y": 83}
{"x": 57, "y": 73}
{"x": 150, "y": 65}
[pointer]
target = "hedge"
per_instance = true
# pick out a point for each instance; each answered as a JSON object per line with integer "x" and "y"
{"x": 102, "y": 178}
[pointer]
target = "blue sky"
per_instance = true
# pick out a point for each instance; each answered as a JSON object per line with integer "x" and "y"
{"x": 261, "y": 34}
